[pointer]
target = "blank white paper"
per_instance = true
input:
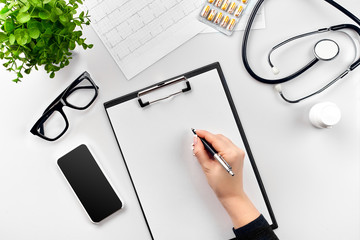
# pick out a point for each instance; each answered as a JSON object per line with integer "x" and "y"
{"x": 156, "y": 144}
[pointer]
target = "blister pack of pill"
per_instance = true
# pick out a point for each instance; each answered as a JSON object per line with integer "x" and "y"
{"x": 223, "y": 15}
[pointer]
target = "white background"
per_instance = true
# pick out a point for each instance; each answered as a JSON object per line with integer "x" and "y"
{"x": 311, "y": 175}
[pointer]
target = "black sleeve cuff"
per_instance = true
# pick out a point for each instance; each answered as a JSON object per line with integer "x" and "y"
{"x": 259, "y": 229}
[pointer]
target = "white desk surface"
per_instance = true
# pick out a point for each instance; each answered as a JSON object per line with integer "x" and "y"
{"x": 311, "y": 175}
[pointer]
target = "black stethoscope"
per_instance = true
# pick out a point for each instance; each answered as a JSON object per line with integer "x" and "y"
{"x": 324, "y": 50}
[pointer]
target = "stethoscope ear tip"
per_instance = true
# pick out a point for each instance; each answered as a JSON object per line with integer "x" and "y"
{"x": 278, "y": 88}
{"x": 275, "y": 70}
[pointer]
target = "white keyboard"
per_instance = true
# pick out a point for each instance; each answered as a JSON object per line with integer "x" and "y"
{"x": 137, "y": 33}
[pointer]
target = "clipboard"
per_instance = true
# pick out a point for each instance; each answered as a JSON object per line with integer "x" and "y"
{"x": 152, "y": 129}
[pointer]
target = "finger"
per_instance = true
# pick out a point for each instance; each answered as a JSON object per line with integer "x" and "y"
{"x": 219, "y": 142}
{"x": 201, "y": 153}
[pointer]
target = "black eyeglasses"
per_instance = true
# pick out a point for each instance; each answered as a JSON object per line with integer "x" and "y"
{"x": 80, "y": 94}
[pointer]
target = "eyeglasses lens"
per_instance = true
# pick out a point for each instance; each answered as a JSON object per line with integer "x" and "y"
{"x": 82, "y": 94}
{"x": 53, "y": 126}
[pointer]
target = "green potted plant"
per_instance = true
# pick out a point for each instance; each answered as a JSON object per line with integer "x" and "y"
{"x": 40, "y": 33}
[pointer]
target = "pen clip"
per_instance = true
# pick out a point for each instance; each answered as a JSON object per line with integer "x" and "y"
{"x": 160, "y": 86}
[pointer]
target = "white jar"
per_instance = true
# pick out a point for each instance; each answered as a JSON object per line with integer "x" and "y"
{"x": 324, "y": 115}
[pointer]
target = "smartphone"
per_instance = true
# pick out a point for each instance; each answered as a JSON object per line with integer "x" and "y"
{"x": 89, "y": 184}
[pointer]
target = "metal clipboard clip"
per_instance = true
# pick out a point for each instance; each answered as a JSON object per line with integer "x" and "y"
{"x": 160, "y": 86}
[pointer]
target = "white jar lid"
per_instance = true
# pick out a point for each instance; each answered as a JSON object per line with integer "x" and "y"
{"x": 325, "y": 115}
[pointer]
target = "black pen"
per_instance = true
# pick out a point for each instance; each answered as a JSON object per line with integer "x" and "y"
{"x": 216, "y": 155}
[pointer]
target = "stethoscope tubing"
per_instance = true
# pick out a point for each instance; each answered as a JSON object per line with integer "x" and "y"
{"x": 287, "y": 41}
{"x": 344, "y": 10}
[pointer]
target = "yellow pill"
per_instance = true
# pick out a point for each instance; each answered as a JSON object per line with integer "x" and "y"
{"x": 211, "y": 15}
{"x": 232, "y": 8}
{"x": 225, "y": 5}
{"x": 218, "y": 18}
{"x": 205, "y": 11}
{"x": 239, "y": 11}
{"x": 225, "y": 21}
{"x": 231, "y": 24}
{"x": 218, "y": 3}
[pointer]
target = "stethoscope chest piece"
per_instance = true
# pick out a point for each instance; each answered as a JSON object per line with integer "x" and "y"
{"x": 326, "y": 49}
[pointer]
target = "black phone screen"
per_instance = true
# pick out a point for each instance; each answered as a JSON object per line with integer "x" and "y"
{"x": 89, "y": 183}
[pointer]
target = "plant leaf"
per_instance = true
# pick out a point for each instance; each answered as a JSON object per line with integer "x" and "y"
{"x": 40, "y": 43}
{"x": 52, "y": 3}
{"x": 3, "y": 16}
{"x": 34, "y": 13}
{"x": 63, "y": 19}
{"x": 71, "y": 27}
{"x": 19, "y": 74}
{"x": 21, "y": 36}
{"x": 72, "y": 45}
{"x": 44, "y": 14}
{"x": 12, "y": 39}
{"x": 34, "y": 24}
{"x": 4, "y": 10}
{"x": 3, "y": 37}
{"x": 25, "y": 8}
{"x": 34, "y": 33}
{"x": 36, "y": 3}
{"x": 58, "y": 11}
{"x": 23, "y": 17}
{"x": 9, "y": 25}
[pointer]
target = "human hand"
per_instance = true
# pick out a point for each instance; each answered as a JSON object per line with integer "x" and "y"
{"x": 229, "y": 189}
{"x": 223, "y": 184}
